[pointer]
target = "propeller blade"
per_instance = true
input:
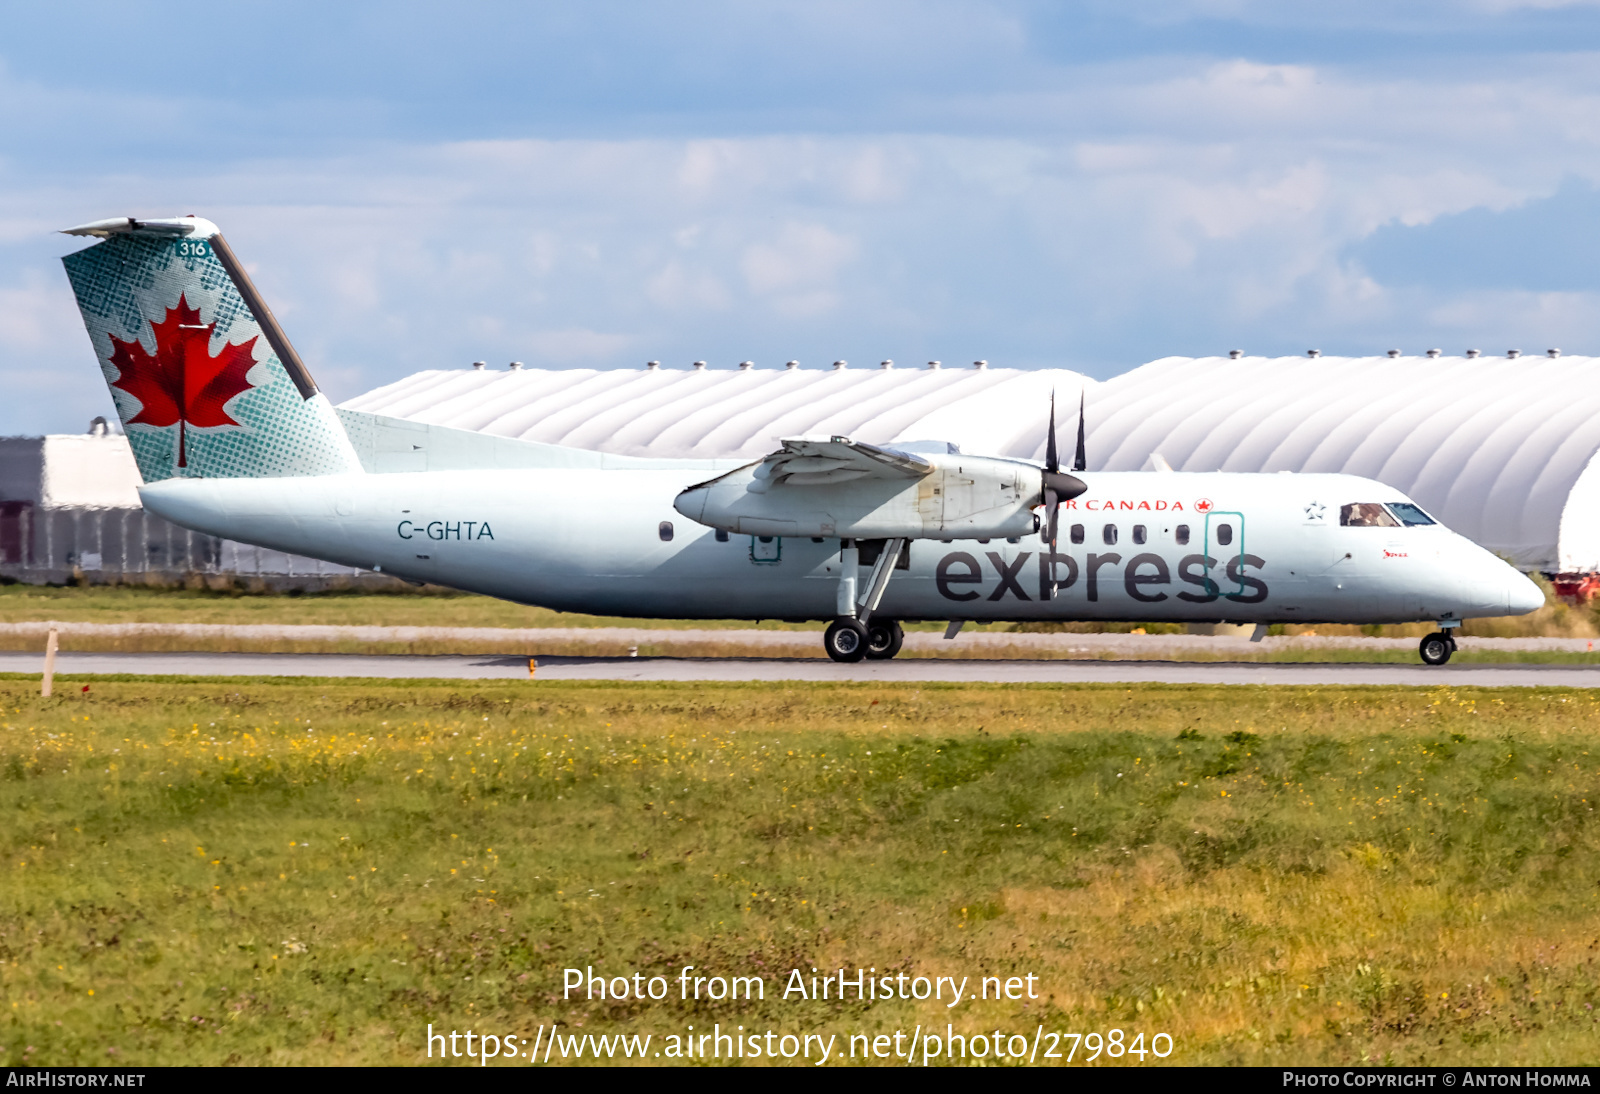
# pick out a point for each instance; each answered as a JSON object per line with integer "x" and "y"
{"x": 1052, "y": 511}
{"x": 1055, "y": 486}
{"x": 1080, "y": 461}
{"x": 1051, "y": 461}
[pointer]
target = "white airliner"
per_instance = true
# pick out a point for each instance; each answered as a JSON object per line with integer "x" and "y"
{"x": 233, "y": 439}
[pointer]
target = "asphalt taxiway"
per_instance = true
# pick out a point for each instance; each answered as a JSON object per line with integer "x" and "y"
{"x": 915, "y": 669}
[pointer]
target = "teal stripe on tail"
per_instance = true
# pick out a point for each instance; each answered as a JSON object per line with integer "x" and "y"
{"x": 204, "y": 379}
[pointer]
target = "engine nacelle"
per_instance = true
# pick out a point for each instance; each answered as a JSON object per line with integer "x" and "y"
{"x": 914, "y": 497}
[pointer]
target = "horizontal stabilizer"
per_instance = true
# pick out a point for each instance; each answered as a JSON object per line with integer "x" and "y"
{"x": 174, "y": 226}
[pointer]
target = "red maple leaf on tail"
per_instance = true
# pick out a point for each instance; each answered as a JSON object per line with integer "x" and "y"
{"x": 182, "y": 384}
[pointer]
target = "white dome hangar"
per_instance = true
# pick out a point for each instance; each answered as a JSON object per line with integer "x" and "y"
{"x": 1502, "y": 449}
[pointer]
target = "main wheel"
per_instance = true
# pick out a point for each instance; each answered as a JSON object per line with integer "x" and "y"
{"x": 1436, "y": 648}
{"x": 845, "y": 640}
{"x": 884, "y": 639}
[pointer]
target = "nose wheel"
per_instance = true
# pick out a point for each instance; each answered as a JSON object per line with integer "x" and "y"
{"x": 1437, "y": 648}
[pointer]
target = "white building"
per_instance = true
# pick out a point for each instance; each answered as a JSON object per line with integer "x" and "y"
{"x": 1502, "y": 449}
{"x": 69, "y": 510}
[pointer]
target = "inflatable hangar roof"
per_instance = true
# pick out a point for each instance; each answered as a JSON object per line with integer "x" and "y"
{"x": 1502, "y": 449}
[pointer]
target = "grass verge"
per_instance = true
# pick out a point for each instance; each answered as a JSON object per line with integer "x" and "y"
{"x": 665, "y": 644}
{"x": 430, "y": 606}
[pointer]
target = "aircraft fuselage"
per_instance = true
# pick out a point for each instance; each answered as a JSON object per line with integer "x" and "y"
{"x": 1136, "y": 546}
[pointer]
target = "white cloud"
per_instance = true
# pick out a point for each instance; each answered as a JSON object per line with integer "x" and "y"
{"x": 1502, "y": 6}
{"x": 678, "y": 288}
{"x": 34, "y": 315}
{"x": 1531, "y": 322}
{"x": 578, "y": 346}
{"x": 799, "y": 268}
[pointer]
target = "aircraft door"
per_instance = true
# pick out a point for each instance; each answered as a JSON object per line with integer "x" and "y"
{"x": 1224, "y": 541}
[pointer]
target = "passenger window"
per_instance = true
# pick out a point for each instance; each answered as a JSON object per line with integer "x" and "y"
{"x": 1109, "y": 534}
{"x": 1181, "y": 534}
{"x": 1076, "y": 534}
{"x": 722, "y": 536}
{"x": 1366, "y": 514}
{"x": 1409, "y": 514}
{"x": 1224, "y": 534}
{"x": 666, "y": 531}
{"x": 1138, "y": 533}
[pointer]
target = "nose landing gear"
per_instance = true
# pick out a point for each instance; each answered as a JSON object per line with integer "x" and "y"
{"x": 1437, "y": 648}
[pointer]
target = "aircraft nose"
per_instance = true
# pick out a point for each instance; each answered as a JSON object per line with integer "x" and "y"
{"x": 1523, "y": 596}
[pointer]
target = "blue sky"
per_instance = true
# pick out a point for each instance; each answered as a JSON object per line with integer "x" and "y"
{"x": 1089, "y": 185}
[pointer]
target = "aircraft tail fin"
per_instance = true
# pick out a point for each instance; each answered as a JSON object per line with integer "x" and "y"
{"x": 205, "y": 381}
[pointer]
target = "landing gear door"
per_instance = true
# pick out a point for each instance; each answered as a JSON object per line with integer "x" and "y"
{"x": 1224, "y": 541}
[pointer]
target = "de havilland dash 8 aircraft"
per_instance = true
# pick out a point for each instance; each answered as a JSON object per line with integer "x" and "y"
{"x": 233, "y": 439}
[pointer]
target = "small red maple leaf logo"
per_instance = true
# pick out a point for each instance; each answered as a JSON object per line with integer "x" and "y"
{"x": 1203, "y": 505}
{"x": 182, "y": 384}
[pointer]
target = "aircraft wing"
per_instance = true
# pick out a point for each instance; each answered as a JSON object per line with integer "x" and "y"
{"x": 816, "y": 461}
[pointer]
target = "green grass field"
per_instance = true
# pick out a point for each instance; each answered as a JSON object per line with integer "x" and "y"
{"x": 312, "y": 872}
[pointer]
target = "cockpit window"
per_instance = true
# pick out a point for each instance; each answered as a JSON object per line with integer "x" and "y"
{"x": 1366, "y": 514}
{"x": 1409, "y": 514}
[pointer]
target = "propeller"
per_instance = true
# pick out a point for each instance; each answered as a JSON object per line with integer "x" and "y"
{"x": 1057, "y": 486}
{"x": 1080, "y": 460}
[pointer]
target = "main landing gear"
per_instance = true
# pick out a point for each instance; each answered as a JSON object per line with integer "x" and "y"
{"x": 854, "y": 633}
{"x": 1437, "y": 648}
{"x": 884, "y": 639}
{"x": 847, "y": 640}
